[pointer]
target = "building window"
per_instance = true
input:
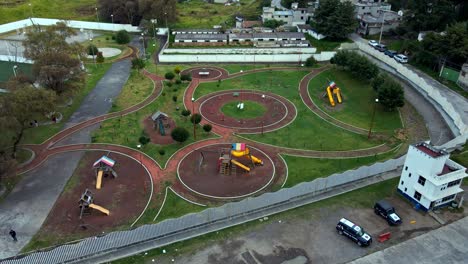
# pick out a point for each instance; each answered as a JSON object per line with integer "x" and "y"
{"x": 409, "y": 175}
{"x": 422, "y": 180}
{"x": 453, "y": 183}
{"x": 406, "y": 189}
{"x": 443, "y": 188}
{"x": 260, "y": 39}
{"x": 194, "y": 41}
{"x": 363, "y": 7}
{"x": 406, "y": 168}
{"x": 448, "y": 198}
{"x": 302, "y": 18}
{"x": 417, "y": 196}
{"x": 207, "y": 41}
{"x": 271, "y": 39}
{"x": 402, "y": 182}
{"x": 220, "y": 41}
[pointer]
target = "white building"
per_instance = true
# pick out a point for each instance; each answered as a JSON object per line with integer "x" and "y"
{"x": 291, "y": 17}
{"x": 375, "y": 15}
{"x": 429, "y": 178}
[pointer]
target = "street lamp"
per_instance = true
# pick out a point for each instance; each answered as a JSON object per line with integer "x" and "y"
{"x": 14, "y": 69}
{"x": 165, "y": 16}
{"x": 97, "y": 17}
{"x": 92, "y": 51}
{"x": 143, "y": 40}
{"x": 154, "y": 22}
{"x": 382, "y": 25}
{"x": 112, "y": 18}
{"x": 193, "y": 119}
{"x": 372, "y": 119}
{"x": 139, "y": 149}
{"x": 30, "y": 9}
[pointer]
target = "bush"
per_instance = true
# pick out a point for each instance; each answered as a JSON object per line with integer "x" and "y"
{"x": 207, "y": 128}
{"x": 138, "y": 63}
{"x": 391, "y": 95}
{"x": 311, "y": 61}
{"x": 180, "y": 134}
{"x": 186, "y": 77}
{"x": 92, "y": 50}
{"x": 178, "y": 81}
{"x": 177, "y": 70}
{"x": 174, "y": 98}
{"x": 185, "y": 112}
{"x": 169, "y": 75}
{"x": 169, "y": 84}
{"x": 113, "y": 37}
{"x": 99, "y": 58}
{"x": 161, "y": 152}
{"x": 144, "y": 140}
{"x": 357, "y": 64}
{"x": 195, "y": 118}
{"x": 122, "y": 37}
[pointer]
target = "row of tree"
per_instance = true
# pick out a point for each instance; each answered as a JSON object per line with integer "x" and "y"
{"x": 389, "y": 92}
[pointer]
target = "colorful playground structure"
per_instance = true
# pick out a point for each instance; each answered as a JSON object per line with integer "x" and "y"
{"x": 227, "y": 165}
{"x": 160, "y": 122}
{"x": 332, "y": 89}
{"x": 87, "y": 203}
{"x": 103, "y": 167}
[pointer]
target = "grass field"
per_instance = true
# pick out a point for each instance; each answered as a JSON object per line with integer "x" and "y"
{"x": 37, "y": 135}
{"x": 358, "y": 102}
{"x": 200, "y": 14}
{"x": 128, "y": 129}
{"x": 135, "y": 90}
{"x": 302, "y": 169}
{"x": 175, "y": 207}
{"x": 307, "y": 131}
{"x": 6, "y": 70}
{"x": 60, "y": 9}
{"x": 361, "y": 198}
{"x": 251, "y": 110}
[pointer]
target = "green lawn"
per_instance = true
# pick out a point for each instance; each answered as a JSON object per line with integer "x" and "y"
{"x": 128, "y": 129}
{"x": 358, "y": 101}
{"x": 37, "y": 135}
{"x": 60, "y": 9}
{"x": 175, "y": 207}
{"x": 461, "y": 156}
{"x": 200, "y": 14}
{"x": 251, "y": 110}
{"x": 302, "y": 169}
{"x": 308, "y": 131}
{"x": 361, "y": 198}
{"x": 6, "y": 70}
{"x": 135, "y": 90}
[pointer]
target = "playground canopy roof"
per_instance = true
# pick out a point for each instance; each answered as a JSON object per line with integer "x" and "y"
{"x": 158, "y": 115}
{"x": 106, "y": 160}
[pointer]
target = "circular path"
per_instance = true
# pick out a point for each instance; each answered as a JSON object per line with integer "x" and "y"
{"x": 280, "y": 112}
{"x": 207, "y": 73}
{"x": 202, "y": 176}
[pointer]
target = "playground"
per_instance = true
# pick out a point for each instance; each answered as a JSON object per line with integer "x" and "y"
{"x": 124, "y": 197}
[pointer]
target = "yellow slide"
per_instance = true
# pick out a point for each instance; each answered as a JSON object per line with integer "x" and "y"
{"x": 330, "y": 96}
{"x": 100, "y": 208}
{"x": 245, "y": 153}
{"x": 338, "y": 94}
{"x": 235, "y": 162}
{"x": 99, "y": 179}
{"x": 256, "y": 160}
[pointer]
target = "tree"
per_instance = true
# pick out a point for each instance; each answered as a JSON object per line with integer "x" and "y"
{"x": 425, "y": 15}
{"x": 391, "y": 95}
{"x": 138, "y": 63}
{"x": 378, "y": 81}
{"x": 207, "y": 128}
{"x": 122, "y": 37}
{"x": 185, "y": 77}
{"x": 177, "y": 70}
{"x": 335, "y": 19}
{"x": 311, "y": 61}
{"x": 55, "y": 64}
{"x": 357, "y": 64}
{"x": 169, "y": 75}
{"x": 186, "y": 113}
{"x": 180, "y": 134}
{"x": 21, "y": 106}
{"x": 92, "y": 50}
{"x": 162, "y": 10}
{"x": 99, "y": 57}
{"x": 174, "y": 98}
{"x": 123, "y": 11}
{"x": 195, "y": 119}
{"x": 272, "y": 23}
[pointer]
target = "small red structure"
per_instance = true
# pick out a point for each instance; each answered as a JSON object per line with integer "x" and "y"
{"x": 384, "y": 237}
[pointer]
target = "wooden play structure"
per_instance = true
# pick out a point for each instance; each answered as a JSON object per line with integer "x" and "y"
{"x": 333, "y": 91}
{"x": 103, "y": 168}
{"x": 160, "y": 122}
{"x": 228, "y": 165}
{"x": 87, "y": 203}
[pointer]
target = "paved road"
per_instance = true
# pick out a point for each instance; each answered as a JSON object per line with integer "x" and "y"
{"x": 26, "y": 208}
{"x": 444, "y": 245}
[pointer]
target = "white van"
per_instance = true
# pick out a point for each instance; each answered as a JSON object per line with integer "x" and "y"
{"x": 401, "y": 58}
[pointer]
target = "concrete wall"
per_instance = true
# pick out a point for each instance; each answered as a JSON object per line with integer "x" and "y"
{"x": 242, "y": 51}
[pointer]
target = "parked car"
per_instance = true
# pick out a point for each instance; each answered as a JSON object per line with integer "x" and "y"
{"x": 386, "y": 210}
{"x": 390, "y": 53}
{"x": 354, "y": 232}
{"x": 401, "y": 58}
{"x": 380, "y": 47}
{"x": 372, "y": 43}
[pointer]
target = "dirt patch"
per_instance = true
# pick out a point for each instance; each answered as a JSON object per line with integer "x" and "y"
{"x": 125, "y": 197}
{"x": 207, "y": 180}
{"x": 155, "y": 135}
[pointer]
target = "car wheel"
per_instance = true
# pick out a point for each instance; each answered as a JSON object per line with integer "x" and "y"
{"x": 376, "y": 212}
{"x": 359, "y": 243}
{"x": 340, "y": 232}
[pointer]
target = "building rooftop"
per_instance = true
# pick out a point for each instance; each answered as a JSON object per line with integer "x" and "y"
{"x": 429, "y": 150}
{"x": 305, "y": 26}
{"x": 201, "y": 36}
{"x": 251, "y": 23}
{"x": 447, "y": 169}
{"x": 283, "y": 13}
{"x": 214, "y": 30}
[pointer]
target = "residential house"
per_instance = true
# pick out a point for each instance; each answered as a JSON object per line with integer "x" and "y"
{"x": 429, "y": 179}
{"x": 374, "y": 16}
{"x": 463, "y": 77}
{"x": 307, "y": 29}
{"x": 291, "y": 17}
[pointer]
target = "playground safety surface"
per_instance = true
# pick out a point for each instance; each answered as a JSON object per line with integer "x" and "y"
{"x": 155, "y": 136}
{"x": 206, "y": 180}
{"x": 125, "y": 197}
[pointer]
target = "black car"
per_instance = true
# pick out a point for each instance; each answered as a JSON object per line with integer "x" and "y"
{"x": 380, "y": 47}
{"x": 390, "y": 53}
{"x": 354, "y": 232}
{"x": 386, "y": 210}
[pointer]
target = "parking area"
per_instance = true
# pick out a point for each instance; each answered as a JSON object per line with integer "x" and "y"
{"x": 310, "y": 236}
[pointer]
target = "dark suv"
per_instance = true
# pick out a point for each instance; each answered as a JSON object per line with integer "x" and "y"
{"x": 354, "y": 232}
{"x": 386, "y": 210}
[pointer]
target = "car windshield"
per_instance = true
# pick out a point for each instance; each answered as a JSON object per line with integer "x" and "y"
{"x": 359, "y": 230}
